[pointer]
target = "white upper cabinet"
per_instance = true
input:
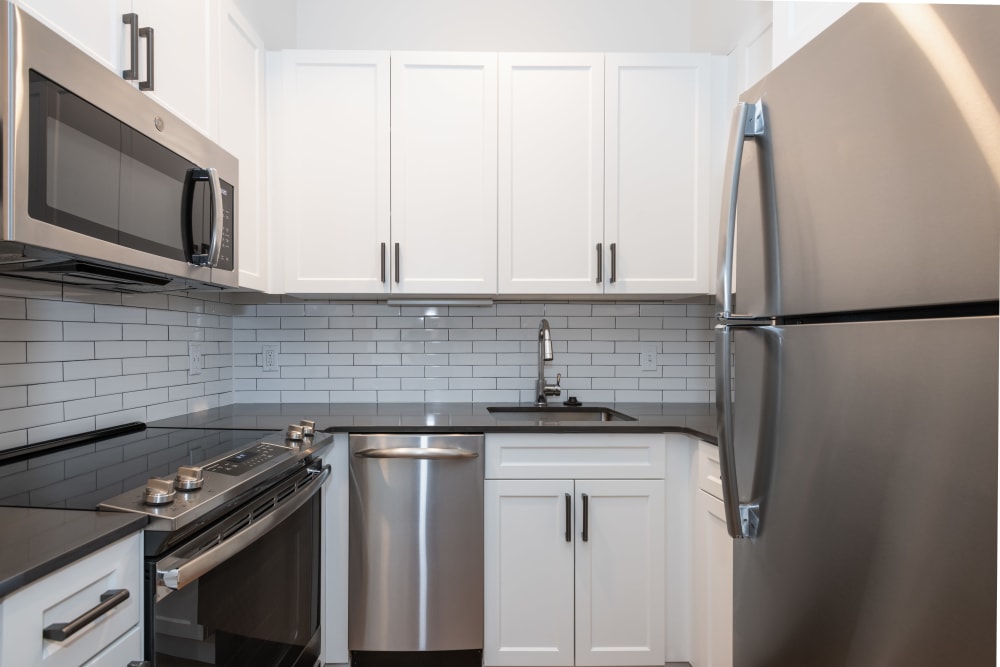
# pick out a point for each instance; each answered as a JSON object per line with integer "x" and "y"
{"x": 444, "y": 173}
{"x": 182, "y": 34}
{"x": 95, "y": 26}
{"x": 184, "y": 38}
{"x": 242, "y": 124}
{"x": 330, "y": 170}
{"x": 551, "y": 210}
{"x": 656, "y": 214}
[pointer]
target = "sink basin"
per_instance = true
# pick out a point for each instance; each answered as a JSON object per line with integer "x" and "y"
{"x": 558, "y": 413}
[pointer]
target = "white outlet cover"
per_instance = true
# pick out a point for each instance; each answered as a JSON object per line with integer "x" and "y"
{"x": 196, "y": 362}
{"x": 269, "y": 358}
{"x": 647, "y": 356}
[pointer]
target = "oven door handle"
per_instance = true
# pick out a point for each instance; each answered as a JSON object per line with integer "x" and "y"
{"x": 176, "y": 573}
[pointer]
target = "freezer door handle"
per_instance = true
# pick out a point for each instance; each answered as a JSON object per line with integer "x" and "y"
{"x": 748, "y": 123}
{"x": 742, "y": 519}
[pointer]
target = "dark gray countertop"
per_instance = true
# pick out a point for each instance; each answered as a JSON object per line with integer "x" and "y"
{"x": 697, "y": 419}
{"x": 36, "y": 542}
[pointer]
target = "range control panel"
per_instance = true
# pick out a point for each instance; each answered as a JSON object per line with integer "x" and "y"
{"x": 242, "y": 462}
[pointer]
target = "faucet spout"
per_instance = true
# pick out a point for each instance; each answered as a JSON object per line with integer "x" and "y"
{"x": 545, "y": 353}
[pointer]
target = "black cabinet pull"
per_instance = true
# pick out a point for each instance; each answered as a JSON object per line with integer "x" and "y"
{"x": 383, "y": 262}
{"x": 147, "y": 33}
{"x": 614, "y": 263}
{"x": 397, "y": 264}
{"x": 586, "y": 517}
{"x": 600, "y": 263}
{"x": 132, "y": 21}
{"x": 569, "y": 518}
{"x": 63, "y": 631}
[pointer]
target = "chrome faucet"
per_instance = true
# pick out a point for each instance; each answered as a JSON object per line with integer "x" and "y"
{"x": 542, "y": 388}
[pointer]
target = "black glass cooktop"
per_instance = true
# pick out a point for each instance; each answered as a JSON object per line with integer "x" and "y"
{"x": 80, "y": 472}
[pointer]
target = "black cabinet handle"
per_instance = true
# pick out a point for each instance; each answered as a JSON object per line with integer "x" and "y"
{"x": 397, "y": 264}
{"x": 63, "y": 631}
{"x": 600, "y": 263}
{"x": 614, "y": 263}
{"x": 569, "y": 518}
{"x": 147, "y": 33}
{"x": 383, "y": 262}
{"x": 132, "y": 21}
{"x": 586, "y": 517}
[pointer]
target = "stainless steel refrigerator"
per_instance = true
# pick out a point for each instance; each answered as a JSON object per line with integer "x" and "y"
{"x": 857, "y": 345}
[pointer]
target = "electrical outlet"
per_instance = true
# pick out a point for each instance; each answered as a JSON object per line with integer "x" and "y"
{"x": 270, "y": 357}
{"x": 647, "y": 357}
{"x": 195, "y": 360}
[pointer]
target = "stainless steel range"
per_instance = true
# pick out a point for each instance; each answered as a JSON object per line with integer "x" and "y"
{"x": 233, "y": 547}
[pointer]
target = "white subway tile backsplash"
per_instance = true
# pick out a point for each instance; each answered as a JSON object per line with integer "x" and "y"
{"x": 119, "y": 349}
{"x": 30, "y": 330}
{"x": 59, "y": 392}
{"x": 42, "y": 352}
{"x": 13, "y": 397}
{"x": 120, "y": 314}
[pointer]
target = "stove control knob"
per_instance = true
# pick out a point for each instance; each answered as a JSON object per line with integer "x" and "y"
{"x": 308, "y": 428}
{"x": 189, "y": 478}
{"x": 159, "y": 491}
{"x": 294, "y": 433}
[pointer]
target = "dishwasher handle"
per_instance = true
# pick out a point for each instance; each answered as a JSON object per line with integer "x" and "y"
{"x": 417, "y": 453}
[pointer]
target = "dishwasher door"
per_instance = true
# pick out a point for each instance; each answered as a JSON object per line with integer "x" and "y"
{"x": 416, "y": 542}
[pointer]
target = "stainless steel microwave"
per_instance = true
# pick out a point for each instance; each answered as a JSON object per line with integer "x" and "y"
{"x": 100, "y": 184}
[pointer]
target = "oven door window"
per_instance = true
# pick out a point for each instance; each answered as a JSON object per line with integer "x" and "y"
{"x": 260, "y": 607}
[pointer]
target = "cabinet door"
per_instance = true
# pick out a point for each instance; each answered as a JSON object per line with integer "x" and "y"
{"x": 330, "y": 133}
{"x": 184, "y": 33}
{"x": 714, "y": 584}
{"x": 551, "y": 181}
{"x": 242, "y": 132}
{"x": 529, "y": 573}
{"x": 656, "y": 222}
{"x": 95, "y": 26}
{"x": 444, "y": 172}
{"x": 620, "y": 572}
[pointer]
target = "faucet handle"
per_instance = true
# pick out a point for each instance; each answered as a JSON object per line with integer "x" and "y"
{"x": 558, "y": 378}
{"x": 554, "y": 389}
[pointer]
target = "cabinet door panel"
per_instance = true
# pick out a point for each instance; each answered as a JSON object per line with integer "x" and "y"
{"x": 444, "y": 172}
{"x": 529, "y": 573}
{"x": 620, "y": 573}
{"x": 242, "y": 133}
{"x": 184, "y": 37}
{"x": 716, "y": 585}
{"x": 332, "y": 136}
{"x": 551, "y": 181}
{"x": 656, "y": 207}
{"x": 95, "y": 26}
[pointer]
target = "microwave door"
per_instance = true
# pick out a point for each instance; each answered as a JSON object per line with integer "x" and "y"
{"x": 75, "y": 167}
{"x": 157, "y": 214}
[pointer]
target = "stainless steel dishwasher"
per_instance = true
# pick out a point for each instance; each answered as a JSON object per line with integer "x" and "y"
{"x": 416, "y": 549}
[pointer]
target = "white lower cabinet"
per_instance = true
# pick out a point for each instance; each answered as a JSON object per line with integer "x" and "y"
{"x": 66, "y": 594}
{"x": 713, "y": 565}
{"x": 574, "y": 563}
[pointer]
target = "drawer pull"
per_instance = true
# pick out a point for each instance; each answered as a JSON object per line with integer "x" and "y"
{"x": 63, "y": 631}
{"x": 586, "y": 517}
{"x": 569, "y": 518}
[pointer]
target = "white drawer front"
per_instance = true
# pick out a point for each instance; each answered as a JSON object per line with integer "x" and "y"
{"x": 64, "y": 595}
{"x": 709, "y": 470}
{"x": 575, "y": 456}
{"x": 125, "y": 650}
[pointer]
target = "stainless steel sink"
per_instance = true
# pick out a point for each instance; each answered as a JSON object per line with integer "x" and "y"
{"x": 558, "y": 413}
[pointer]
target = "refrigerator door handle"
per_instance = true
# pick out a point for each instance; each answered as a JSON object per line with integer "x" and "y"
{"x": 742, "y": 519}
{"x": 748, "y": 123}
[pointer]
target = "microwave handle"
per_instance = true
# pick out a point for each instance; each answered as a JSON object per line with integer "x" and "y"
{"x": 211, "y": 176}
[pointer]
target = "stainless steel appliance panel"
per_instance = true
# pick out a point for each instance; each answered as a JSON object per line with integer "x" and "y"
{"x": 416, "y": 542}
{"x": 876, "y": 183}
{"x": 30, "y": 46}
{"x": 872, "y": 451}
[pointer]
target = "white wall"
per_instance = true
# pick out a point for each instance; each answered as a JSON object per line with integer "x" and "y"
{"x": 511, "y": 25}
{"x": 797, "y": 23}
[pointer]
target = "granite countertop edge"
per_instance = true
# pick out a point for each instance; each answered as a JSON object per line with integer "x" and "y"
{"x": 695, "y": 419}
{"x": 54, "y": 539}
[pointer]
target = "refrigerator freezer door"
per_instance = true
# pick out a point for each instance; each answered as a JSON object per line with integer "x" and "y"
{"x": 876, "y": 476}
{"x": 885, "y": 150}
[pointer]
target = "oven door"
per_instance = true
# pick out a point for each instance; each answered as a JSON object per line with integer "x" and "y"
{"x": 247, "y": 590}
